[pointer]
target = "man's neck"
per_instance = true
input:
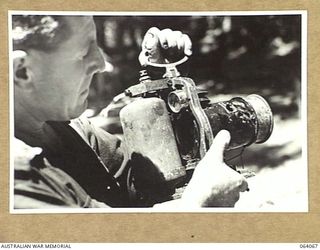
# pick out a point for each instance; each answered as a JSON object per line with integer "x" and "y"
{"x": 29, "y": 131}
{"x": 28, "y": 127}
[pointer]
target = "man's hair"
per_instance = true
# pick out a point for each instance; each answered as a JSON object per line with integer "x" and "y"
{"x": 38, "y": 31}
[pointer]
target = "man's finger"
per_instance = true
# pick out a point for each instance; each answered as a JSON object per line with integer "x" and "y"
{"x": 187, "y": 45}
{"x": 244, "y": 185}
{"x": 143, "y": 59}
{"x": 151, "y": 38}
{"x": 167, "y": 39}
{"x": 180, "y": 43}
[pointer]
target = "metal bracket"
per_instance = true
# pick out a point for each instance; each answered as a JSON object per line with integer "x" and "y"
{"x": 205, "y": 130}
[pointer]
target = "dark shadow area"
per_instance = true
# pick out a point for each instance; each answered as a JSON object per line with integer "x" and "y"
{"x": 147, "y": 182}
{"x": 268, "y": 156}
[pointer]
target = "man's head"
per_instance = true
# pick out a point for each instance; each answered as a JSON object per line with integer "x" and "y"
{"x": 55, "y": 58}
{"x": 38, "y": 31}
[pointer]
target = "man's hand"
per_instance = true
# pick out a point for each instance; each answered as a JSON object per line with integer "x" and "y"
{"x": 164, "y": 46}
{"x": 213, "y": 183}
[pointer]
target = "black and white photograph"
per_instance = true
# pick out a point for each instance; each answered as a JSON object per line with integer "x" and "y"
{"x": 158, "y": 112}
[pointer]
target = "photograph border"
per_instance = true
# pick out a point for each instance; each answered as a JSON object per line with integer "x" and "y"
{"x": 303, "y": 110}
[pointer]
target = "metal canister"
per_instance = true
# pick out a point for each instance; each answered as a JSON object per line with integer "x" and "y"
{"x": 148, "y": 133}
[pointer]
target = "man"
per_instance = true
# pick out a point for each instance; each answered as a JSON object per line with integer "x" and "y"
{"x": 63, "y": 163}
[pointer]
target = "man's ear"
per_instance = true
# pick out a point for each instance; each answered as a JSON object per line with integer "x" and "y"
{"x": 22, "y": 74}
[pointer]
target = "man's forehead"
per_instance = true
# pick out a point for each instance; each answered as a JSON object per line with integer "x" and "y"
{"x": 84, "y": 22}
{"x": 79, "y": 19}
{"x": 81, "y": 28}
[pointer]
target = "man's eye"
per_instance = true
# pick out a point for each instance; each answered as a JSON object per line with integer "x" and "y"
{"x": 87, "y": 51}
{"x": 83, "y": 54}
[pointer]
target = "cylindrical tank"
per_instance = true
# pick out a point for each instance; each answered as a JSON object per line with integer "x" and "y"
{"x": 148, "y": 135}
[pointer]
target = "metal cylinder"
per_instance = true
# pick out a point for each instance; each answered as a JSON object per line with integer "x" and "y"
{"x": 264, "y": 116}
{"x": 177, "y": 100}
{"x": 148, "y": 132}
{"x": 249, "y": 120}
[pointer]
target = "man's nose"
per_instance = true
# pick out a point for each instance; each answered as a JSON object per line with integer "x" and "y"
{"x": 97, "y": 60}
{"x": 101, "y": 61}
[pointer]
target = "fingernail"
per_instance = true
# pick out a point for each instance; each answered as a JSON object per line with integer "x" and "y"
{"x": 225, "y": 134}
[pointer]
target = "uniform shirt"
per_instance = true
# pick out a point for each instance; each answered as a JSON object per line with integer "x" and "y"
{"x": 90, "y": 155}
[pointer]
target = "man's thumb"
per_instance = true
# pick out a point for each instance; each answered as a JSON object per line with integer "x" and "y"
{"x": 219, "y": 144}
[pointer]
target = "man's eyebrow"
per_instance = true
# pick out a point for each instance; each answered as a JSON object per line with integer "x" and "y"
{"x": 90, "y": 30}
{"x": 89, "y": 24}
{"x": 87, "y": 33}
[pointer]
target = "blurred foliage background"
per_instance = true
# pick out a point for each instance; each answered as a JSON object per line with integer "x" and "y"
{"x": 231, "y": 54}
